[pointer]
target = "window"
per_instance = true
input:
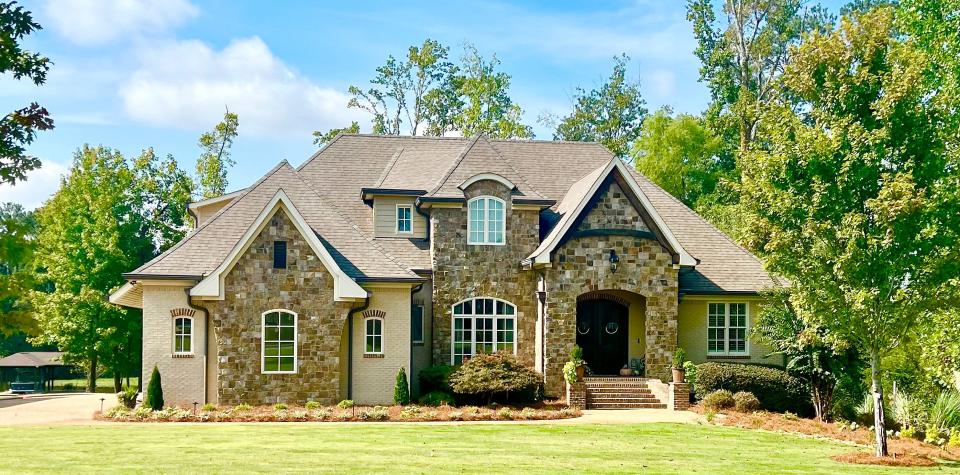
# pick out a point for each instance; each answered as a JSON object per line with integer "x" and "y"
{"x": 279, "y": 254}
{"x": 485, "y": 222}
{"x": 373, "y": 336}
{"x": 483, "y": 325}
{"x": 727, "y": 328}
{"x": 183, "y": 336}
{"x": 404, "y": 219}
{"x": 279, "y": 342}
{"x": 416, "y": 314}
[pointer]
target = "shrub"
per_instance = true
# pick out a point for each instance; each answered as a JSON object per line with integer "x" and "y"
{"x": 945, "y": 411}
{"x": 690, "y": 368}
{"x": 345, "y": 404}
{"x": 242, "y": 407}
{"x": 128, "y": 397}
{"x": 377, "y": 413}
{"x": 401, "y": 390}
{"x": 322, "y": 414}
{"x": 679, "y": 358}
{"x": 576, "y": 354}
{"x": 279, "y": 407}
{"x": 437, "y": 398}
{"x": 955, "y": 438}
{"x": 570, "y": 372}
{"x": 209, "y": 407}
{"x": 719, "y": 399}
{"x": 456, "y": 415}
{"x": 908, "y": 433}
{"x": 311, "y": 405}
{"x": 117, "y": 412}
{"x": 436, "y": 378}
{"x": 489, "y": 375}
{"x": 710, "y": 415}
{"x": 410, "y": 412}
{"x": 776, "y": 390}
{"x": 528, "y": 413}
{"x": 745, "y": 402}
{"x": 154, "y": 399}
{"x": 505, "y": 413}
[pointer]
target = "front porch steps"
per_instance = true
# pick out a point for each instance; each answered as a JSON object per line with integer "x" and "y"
{"x": 612, "y": 392}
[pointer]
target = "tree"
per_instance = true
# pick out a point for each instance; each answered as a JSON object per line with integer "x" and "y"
{"x": 19, "y": 128}
{"x": 154, "y": 398}
{"x": 487, "y": 107}
{"x": 401, "y": 391}
{"x": 611, "y": 115}
{"x": 166, "y": 190}
{"x": 678, "y": 154}
{"x": 214, "y": 160}
{"x": 320, "y": 138}
{"x": 856, "y": 201}
{"x": 18, "y": 230}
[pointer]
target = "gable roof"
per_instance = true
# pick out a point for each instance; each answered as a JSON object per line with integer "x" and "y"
{"x": 575, "y": 202}
{"x": 478, "y": 158}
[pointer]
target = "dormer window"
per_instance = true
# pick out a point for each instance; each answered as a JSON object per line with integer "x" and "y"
{"x": 485, "y": 221}
{"x": 404, "y": 219}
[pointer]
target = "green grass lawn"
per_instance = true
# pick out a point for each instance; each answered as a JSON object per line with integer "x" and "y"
{"x": 394, "y": 448}
{"x": 104, "y": 385}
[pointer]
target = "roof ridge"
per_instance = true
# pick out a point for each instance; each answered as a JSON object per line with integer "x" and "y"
{"x": 353, "y": 225}
{"x": 520, "y": 175}
{"x": 389, "y": 168}
{"x": 453, "y": 166}
{"x": 216, "y": 215}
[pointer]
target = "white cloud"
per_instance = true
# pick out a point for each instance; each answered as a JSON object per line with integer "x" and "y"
{"x": 94, "y": 22}
{"x": 37, "y": 188}
{"x": 186, "y": 84}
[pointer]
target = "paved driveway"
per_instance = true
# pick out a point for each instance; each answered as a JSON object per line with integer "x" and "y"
{"x": 46, "y": 409}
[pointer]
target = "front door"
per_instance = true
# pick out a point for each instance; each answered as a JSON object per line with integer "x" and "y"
{"x": 602, "y": 333}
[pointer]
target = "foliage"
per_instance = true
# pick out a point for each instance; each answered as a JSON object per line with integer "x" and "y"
{"x": 856, "y": 200}
{"x": 679, "y": 358}
{"x": 311, "y": 405}
{"x": 945, "y": 411}
{"x": 401, "y": 390}
{"x": 690, "y": 376}
{"x": 570, "y": 372}
{"x": 718, "y": 400}
{"x": 436, "y": 378}
{"x": 128, "y": 397}
{"x": 18, "y": 229}
{"x": 154, "y": 398}
{"x": 489, "y": 375}
{"x": 678, "y": 153}
{"x": 776, "y": 390}
{"x": 611, "y": 114}
{"x": 345, "y": 404}
{"x": 744, "y": 401}
{"x": 437, "y": 398}
{"x": 165, "y": 191}
{"x": 19, "y": 128}
{"x": 280, "y": 407}
{"x": 242, "y": 407}
{"x": 576, "y": 354}
{"x": 939, "y": 345}
{"x": 377, "y": 413}
{"x": 322, "y": 138}
{"x": 208, "y": 407}
{"x": 214, "y": 159}
{"x": 487, "y": 107}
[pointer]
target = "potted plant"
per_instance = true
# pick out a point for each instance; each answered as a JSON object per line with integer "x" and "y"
{"x": 679, "y": 358}
{"x": 576, "y": 357}
{"x": 626, "y": 371}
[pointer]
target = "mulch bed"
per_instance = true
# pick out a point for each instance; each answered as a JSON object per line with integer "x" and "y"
{"x": 543, "y": 411}
{"x": 904, "y": 452}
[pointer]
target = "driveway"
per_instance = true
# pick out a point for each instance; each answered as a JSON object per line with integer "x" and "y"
{"x": 46, "y": 409}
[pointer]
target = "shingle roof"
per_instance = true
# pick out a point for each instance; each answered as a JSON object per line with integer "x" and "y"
{"x": 332, "y": 179}
{"x": 32, "y": 359}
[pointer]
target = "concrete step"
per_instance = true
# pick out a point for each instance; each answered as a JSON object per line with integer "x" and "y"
{"x": 623, "y": 400}
{"x": 618, "y": 405}
{"x": 620, "y": 390}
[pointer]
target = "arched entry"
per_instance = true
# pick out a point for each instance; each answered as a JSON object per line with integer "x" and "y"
{"x": 602, "y": 332}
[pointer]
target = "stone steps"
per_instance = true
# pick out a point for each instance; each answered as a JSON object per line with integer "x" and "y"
{"x": 620, "y": 393}
{"x": 640, "y": 405}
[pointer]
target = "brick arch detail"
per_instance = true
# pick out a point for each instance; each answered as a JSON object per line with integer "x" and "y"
{"x": 182, "y": 312}
{"x": 602, "y": 295}
{"x": 374, "y": 314}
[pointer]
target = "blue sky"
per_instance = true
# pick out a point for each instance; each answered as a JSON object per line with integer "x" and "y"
{"x": 131, "y": 74}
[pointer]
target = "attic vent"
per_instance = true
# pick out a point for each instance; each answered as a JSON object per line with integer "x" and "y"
{"x": 279, "y": 254}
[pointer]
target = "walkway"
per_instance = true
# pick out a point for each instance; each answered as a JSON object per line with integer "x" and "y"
{"x": 47, "y": 409}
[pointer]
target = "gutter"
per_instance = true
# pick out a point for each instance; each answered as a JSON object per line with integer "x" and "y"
{"x": 133, "y": 276}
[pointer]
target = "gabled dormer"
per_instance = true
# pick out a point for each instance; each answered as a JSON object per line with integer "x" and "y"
{"x": 395, "y": 213}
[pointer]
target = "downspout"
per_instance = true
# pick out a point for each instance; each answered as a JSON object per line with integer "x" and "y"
{"x": 542, "y": 299}
{"x": 366, "y": 304}
{"x": 206, "y": 338}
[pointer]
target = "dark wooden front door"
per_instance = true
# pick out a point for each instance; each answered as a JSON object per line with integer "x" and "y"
{"x": 602, "y": 333}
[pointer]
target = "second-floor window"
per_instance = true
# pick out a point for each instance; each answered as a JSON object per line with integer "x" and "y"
{"x": 485, "y": 221}
{"x": 404, "y": 219}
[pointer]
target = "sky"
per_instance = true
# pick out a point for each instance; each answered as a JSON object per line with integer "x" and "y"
{"x": 132, "y": 74}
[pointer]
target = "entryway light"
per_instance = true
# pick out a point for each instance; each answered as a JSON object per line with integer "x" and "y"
{"x": 614, "y": 260}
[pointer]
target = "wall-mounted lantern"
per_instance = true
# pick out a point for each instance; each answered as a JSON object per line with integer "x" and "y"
{"x": 614, "y": 260}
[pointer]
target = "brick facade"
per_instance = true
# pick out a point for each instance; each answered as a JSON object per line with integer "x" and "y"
{"x": 181, "y": 375}
{"x": 252, "y": 287}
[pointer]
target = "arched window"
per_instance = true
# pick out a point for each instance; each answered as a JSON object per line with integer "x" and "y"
{"x": 483, "y": 325}
{"x": 279, "y": 341}
{"x": 486, "y": 224}
{"x": 373, "y": 336}
{"x": 183, "y": 336}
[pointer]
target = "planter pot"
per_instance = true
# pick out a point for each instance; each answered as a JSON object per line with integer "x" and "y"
{"x": 678, "y": 375}
{"x": 626, "y": 372}
{"x": 581, "y": 371}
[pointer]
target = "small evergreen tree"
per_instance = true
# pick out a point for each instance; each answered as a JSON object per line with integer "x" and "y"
{"x": 401, "y": 392}
{"x": 154, "y": 398}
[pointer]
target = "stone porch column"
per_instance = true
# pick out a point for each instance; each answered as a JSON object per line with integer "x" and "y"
{"x": 661, "y": 335}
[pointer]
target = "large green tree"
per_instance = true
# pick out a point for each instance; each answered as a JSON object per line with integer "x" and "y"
{"x": 611, "y": 114}
{"x": 19, "y": 128}
{"x": 18, "y": 230}
{"x": 679, "y": 154}
{"x": 485, "y": 92}
{"x": 214, "y": 160}
{"x": 856, "y": 201}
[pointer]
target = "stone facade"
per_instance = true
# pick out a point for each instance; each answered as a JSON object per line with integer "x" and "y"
{"x": 253, "y": 287}
{"x": 462, "y": 271}
{"x": 613, "y": 210}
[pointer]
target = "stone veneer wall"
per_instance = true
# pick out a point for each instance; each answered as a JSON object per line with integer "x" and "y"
{"x": 252, "y": 287}
{"x": 463, "y": 271}
{"x": 582, "y": 265}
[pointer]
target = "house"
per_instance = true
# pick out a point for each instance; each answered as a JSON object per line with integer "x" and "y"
{"x": 380, "y": 252}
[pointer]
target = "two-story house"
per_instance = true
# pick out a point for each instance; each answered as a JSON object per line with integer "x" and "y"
{"x": 381, "y": 252}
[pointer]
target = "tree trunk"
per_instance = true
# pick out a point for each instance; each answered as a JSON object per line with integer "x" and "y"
{"x": 117, "y": 379}
{"x": 878, "y": 416}
{"x": 92, "y": 374}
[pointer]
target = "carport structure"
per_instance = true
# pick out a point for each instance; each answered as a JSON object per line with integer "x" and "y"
{"x": 34, "y": 371}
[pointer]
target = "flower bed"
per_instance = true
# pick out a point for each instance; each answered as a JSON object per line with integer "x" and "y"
{"x": 284, "y": 413}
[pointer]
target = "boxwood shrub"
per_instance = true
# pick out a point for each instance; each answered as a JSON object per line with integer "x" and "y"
{"x": 776, "y": 390}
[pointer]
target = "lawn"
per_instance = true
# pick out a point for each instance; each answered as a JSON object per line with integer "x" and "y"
{"x": 394, "y": 448}
{"x": 104, "y": 385}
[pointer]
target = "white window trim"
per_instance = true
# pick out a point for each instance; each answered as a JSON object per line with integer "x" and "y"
{"x": 412, "y": 340}
{"x": 192, "y": 333}
{"x": 366, "y": 335}
{"x": 726, "y": 331}
{"x": 263, "y": 341}
{"x": 486, "y": 220}
{"x": 473, "y": 326}
{"x": 396, "y": 219}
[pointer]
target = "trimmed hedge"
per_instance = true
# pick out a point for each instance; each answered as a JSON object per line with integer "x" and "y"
{"x": 436, "y": 378}
{"x": 776, "y": 390}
